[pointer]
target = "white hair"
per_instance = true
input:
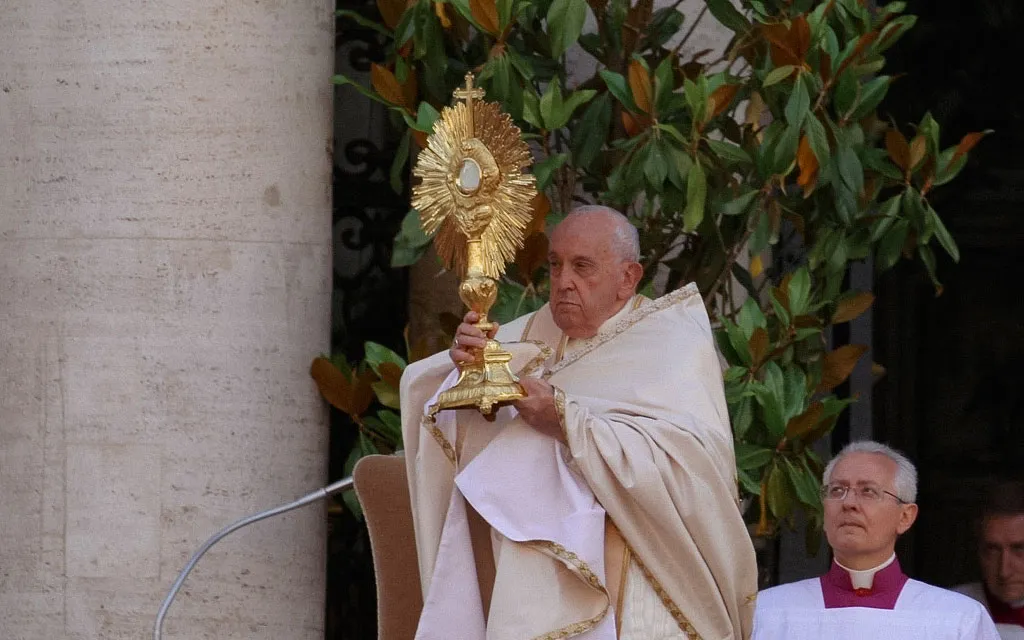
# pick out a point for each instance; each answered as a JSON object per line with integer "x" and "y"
{"x": 905, "y": 482}
{"x": 626, "y": 239}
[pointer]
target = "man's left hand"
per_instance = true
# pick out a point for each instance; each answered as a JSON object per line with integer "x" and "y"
{"x": 538, "y": 407}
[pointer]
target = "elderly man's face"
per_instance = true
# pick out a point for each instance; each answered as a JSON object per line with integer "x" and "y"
{"x": 590, "y": 281}
{"x": 862, "y": 532}
{"x": 1002, "y": 556}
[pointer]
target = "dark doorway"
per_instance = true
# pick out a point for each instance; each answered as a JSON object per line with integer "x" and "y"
{"x": 952, "y": 393}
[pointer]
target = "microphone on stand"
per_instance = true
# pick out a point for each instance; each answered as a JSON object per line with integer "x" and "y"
{"x": 345, "y": 484}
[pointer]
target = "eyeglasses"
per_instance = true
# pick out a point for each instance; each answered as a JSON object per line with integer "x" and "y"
{"x": 866, "y": 493}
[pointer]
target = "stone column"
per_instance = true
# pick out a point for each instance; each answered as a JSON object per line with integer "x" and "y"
{"x": 164, "y": 285}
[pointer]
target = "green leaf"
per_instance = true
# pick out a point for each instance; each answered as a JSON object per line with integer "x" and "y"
{"x": 942, "y": 234}
{"x": 504, "y": 13}
{"x": 696, "y": 194}
{"x": 740, "y": 204}
{"x": 779, "y": 500}
{"x": 798, "y": 104}
{"x": 565, "y": 23}
{"x": 398, "y": 164}
{"x": 742, "y": 416}
{"x": 591, "y": 131}
{"x": 778, "y": 75}
{"x": 748, "y": 482}
{"x": 410, "y": 243}
{"x": 426, "y": 116}
{"x": 573, "y": 102}
{"x": 728, "y": 15}
{"x": 386, "y": 394}
{"x": 750, "y": 317}
{"x": 738, "y": 341}
{"x": 751, "y": 456}
{"x": 851, "y": 173}
{"x": 890, "y": 246}
{"x": 817, "y": 139}
{"x": 799, "y": 291}
{"x": 545, "y": 169}
{"x": 696, "y": 94}
{"x": 656, "y": 165}
{"x": 551, "y": 105}
{"x": 871, "y": 95}
{"x": 785, "y": 150}
{"x": 378, "y": 354}
{"x": 730, "y": 154}
{"x": 804, "y": 483}
{"x": 619, "y": 88}
{"x": 845, "y": 93}
{"x": 388, "y": 424}
{"x": 531, "y": 109}
{"x": 363, "y": 22}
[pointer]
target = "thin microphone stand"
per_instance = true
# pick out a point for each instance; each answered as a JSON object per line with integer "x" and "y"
{"x": 345, "y": 484}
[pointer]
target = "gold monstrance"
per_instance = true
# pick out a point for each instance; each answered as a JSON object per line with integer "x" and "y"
{"x": 475, "y": 200}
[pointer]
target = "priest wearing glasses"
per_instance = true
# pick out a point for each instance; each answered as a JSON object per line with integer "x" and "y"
{"x": 868, "y": 493}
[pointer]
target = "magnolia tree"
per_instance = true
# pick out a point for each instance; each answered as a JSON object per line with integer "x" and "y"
{"x": 715, "y": 161}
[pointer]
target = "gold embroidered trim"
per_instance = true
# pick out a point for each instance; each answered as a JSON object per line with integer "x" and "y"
{"x": 538, "y": 360}
{"x": 684, "y": 623}
{"x": 430, "y": 424}
{"x": 560, "y": 410}
{"x": 751, "y": 599}
{"x": 571, "y": 559}
{"x": 636, "y": 315}
{"x": 561, "y": 348}
{"x": 526, "y": 329}
{"x": 626, "y": 555}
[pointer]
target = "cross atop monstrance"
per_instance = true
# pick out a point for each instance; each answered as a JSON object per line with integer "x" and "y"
{"x": 476, "y": 202}
{"x": 469, "y": 93}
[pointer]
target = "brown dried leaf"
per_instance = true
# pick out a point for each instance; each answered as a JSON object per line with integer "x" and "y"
{"x": 390, "y": 373}
{"x": 966, "y": 144}
{"x": 391, "y": 11}
{"x": 640, "y": 85}
{"x": 755, "y": 109}
{"x": 410, "y": 90}
{"x": 800, "y": 36}
{"x": 808, "y": 163}
{"x": 837, "y": 365}
{"x": 825, "y": 67}
{"x": 386, "y": 85}
{"x": 541, "y": 206}
{"x": 918, "y": 147}
{"x": 852, "y": 307}
{"x": 802, "y": 424}
{"x": 441, "y": 11}
{"x": 899, "y": 150}
{"x": 485, "y": 12}
{"x": 362, "y": 393}
{"x": 332, "y": 383}
{"x": 721, "y": 98}
{"x": 758, "y": 344}
{"x": 530, "y": 258}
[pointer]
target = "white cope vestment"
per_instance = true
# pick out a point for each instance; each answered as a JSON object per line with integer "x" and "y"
{"x": 893, "y": 608}
{"x": 1009, "y": 619}
{"x": 649, "y": 452}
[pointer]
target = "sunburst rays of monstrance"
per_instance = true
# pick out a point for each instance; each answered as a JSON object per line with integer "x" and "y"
{"x": 477, "y": 203}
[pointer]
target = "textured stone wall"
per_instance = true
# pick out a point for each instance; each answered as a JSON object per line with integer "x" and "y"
{"x": 164, "y": 285}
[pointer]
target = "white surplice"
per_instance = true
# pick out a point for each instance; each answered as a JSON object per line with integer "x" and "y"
{"x": 922, "y": 612}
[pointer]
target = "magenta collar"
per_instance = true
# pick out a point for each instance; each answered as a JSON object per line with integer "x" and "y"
{"x": 838, "y": 591}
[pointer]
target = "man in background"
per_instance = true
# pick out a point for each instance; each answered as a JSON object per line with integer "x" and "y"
{"x": 1001, "y": 556}
{"x": 869, "y": 492}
